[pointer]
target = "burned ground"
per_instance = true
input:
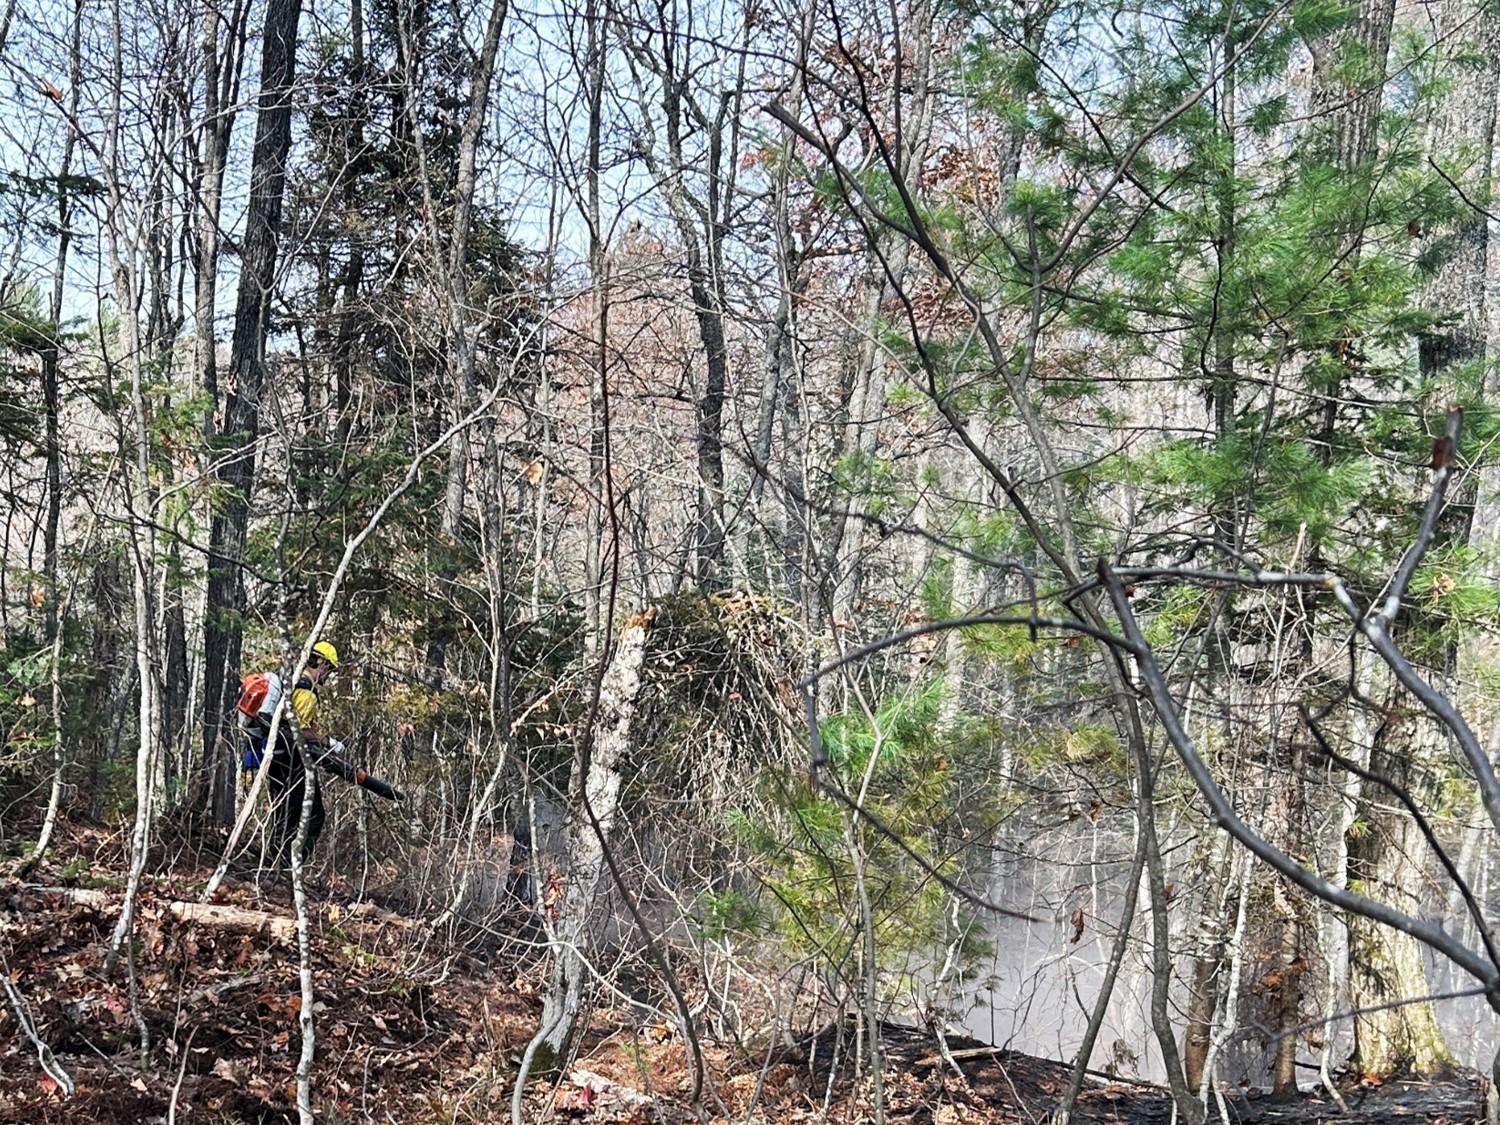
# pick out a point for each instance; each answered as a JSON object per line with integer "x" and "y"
{"x": 413, "y": 1028}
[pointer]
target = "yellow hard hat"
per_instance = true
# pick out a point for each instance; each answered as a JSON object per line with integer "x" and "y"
{"x": 327, "y": 652}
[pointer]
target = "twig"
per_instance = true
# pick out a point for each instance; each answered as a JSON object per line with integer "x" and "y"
{"x": 1032, "y": 621}
{"x": 982, "y": 1052}
{"x": 1447, "y": 179}
{"x": 181, "y": 1074}
{"x": 1444, "y": 454}
{"x": 50, "y": 1066}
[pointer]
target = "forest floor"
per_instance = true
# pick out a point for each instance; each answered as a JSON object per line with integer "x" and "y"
{"x": 411, "y": 1030}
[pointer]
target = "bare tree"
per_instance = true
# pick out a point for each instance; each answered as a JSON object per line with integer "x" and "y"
{"x": 239, "y": 429}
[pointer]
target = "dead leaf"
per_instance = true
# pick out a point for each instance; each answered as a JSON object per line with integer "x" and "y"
{"x": 657, "y": 1031}
{"x": 1077, "y": 921}
{"x": 226, "y": 1070}
{"x": 582, "y": 1098}
{"x": 1268, "y": 983}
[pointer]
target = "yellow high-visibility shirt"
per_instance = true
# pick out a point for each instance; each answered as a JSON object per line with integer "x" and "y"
{"x": 305, "y": 703}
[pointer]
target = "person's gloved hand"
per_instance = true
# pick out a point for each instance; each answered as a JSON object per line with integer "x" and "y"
{"x": 335, "y": 747}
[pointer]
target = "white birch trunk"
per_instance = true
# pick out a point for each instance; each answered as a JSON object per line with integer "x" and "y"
{"x": 594, "y": 800}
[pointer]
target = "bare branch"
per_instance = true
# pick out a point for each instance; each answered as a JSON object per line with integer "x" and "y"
{"x": 1444, "y": 455}
{"x": 1423, "y": 825}
{"x": 1226, "y": 818}
{"x": 50, "y": 1066}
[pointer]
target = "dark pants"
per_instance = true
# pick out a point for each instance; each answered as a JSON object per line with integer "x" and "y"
{"x": 287, "y": 778}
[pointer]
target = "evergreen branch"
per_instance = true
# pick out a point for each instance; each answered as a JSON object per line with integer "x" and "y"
{"x": 948, "y": 882}
{"x": 818, "y": 763}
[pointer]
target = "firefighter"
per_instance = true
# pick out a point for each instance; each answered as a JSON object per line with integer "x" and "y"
{"x": 288, "y": 771}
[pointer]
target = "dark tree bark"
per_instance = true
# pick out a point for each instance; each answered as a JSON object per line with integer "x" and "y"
{"x": 702, "y": 222}
{"x": 245, "y": 380}
{"x": 1348, "y": 84}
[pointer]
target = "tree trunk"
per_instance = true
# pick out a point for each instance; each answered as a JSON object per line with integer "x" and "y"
{"x": 1462, "y": 142}
{"x": 460, "y": 327}
{"x": 1348, "y": 84}
{"x": 1385, "y": 862}
{"x": 887, "y": 264}
{"x": 594, "y": 788}
{"x": 175, "y": 689}
{"x": 708, "y": 306}
{"x": 1208, "y": 964}
{"x": 223, "y": 617}
{"x": 597, "y": 32}
{"x": 52, "y": 405}
{"x": 1349, "y": 75}
{"x": 1386, "y": 965}
{"x": 135, "y": 458}
{"x": 702, "y": 224}
{"x": 1288, "y": 825}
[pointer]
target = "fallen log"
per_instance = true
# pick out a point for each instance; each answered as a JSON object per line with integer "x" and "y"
{"x": 83, "y": 896}
{"x": 222, "y": 917}
{"x": 967, "y": 1053}
{"x": 235, "y": 918}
